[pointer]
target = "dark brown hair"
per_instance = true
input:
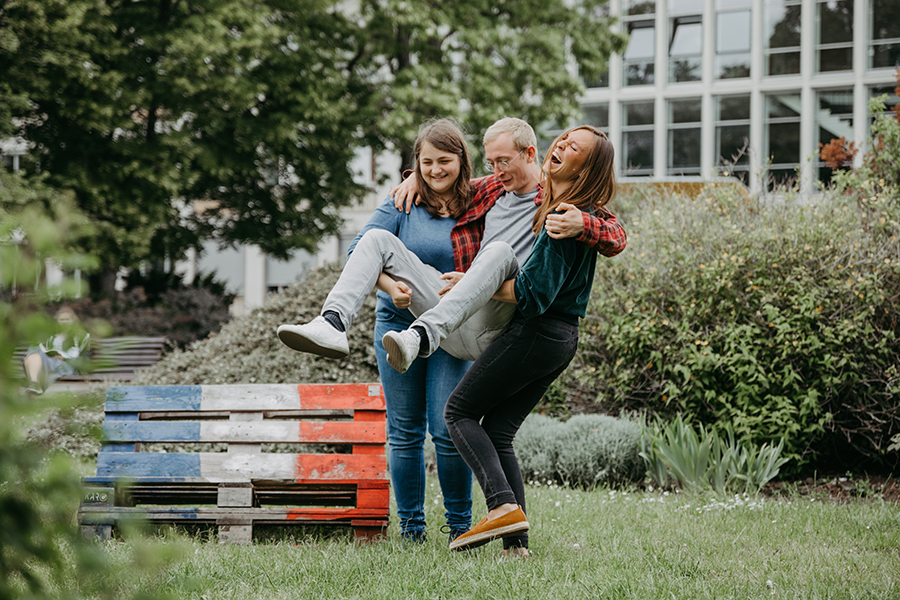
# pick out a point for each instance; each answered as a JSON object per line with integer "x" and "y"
{"x": 593, "y": 187}
{"x": 445, "y": 136}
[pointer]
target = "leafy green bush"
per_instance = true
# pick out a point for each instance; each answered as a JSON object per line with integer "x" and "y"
{"x": 585, "y": 451}
{"x": 42, "y": 552}
{"x": 776, "y": 317}
{"x": 879, "y": 173}
{"x": 701, "y": 459}
{"x": 246, "y": 350}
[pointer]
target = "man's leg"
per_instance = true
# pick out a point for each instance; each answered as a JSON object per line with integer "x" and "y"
{"x": 376, "y": 252}
{"x": 470, "y": 302}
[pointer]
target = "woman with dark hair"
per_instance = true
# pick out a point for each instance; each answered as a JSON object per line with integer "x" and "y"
{"x": 507, "y": 381}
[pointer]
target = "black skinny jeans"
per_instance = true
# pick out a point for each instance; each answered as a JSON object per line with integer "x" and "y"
{"x": 488, "y": 406}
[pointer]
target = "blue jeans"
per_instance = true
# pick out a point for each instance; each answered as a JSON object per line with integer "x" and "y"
{"x": 416, "y": 400}
{"x": 490, "y": 403}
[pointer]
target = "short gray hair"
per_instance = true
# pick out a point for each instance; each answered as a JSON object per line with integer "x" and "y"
{"x": 521, "y": 132}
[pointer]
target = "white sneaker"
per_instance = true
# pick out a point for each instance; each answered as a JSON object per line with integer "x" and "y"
{"x": 402, "y": 348}
{"x": 316, "y": 337}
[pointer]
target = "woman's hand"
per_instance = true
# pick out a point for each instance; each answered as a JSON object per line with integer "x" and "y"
{"x": 568, "y": 224}
{"x": 452, "y": 278}
{"x": 406, "y": 193}
{"x": 400, "y": 294}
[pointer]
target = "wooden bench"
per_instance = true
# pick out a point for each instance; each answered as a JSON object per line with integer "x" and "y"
{"x": 246, "y": 484}
{"x": 115, "y": 358}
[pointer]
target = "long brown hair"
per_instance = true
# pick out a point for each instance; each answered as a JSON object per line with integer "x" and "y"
{"x": 593, "y": 187}
{"x": 446, "y": 136}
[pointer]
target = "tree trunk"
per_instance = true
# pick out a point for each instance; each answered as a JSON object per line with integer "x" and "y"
{"x": 103, "y": 283}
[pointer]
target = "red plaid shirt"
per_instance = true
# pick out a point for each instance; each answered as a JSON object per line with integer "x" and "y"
{"x": 602, "y": 232}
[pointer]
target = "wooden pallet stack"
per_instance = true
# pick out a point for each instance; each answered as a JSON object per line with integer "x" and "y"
{"x": 215, "y": 469}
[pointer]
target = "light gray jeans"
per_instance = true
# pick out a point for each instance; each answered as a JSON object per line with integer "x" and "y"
{"x": 463, "y": 323}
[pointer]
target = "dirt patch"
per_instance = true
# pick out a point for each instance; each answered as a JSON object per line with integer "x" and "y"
{"x": 838, "y": 488}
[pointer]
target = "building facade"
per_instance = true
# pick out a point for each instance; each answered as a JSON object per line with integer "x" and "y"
{"x": 746, "y": 87}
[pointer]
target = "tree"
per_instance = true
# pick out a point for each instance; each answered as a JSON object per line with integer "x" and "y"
{"x": 479, "y": 60}
{"x": 256, "y": 108}
{"x": 143, "y": 107}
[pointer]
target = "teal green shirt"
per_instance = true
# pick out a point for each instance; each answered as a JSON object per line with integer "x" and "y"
{"x": 557, "y": 277}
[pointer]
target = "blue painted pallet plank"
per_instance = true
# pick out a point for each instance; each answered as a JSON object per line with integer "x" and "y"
{"x": 110, "y": 480}
{"x": 165, "y": 467}
{"x": 168, "y": 431}
{"x": 153, "y": 398}
{"x": 117, "y": 447}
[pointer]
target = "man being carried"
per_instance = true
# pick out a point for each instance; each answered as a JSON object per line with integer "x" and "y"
{"x": 502, "y": 211}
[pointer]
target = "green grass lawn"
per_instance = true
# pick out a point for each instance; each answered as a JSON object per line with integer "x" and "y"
{"x": 585, "y": 544}
{"x": 597, "y": 544}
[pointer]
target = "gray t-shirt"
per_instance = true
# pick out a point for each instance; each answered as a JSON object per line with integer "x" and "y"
{"x": 509, "y": 220}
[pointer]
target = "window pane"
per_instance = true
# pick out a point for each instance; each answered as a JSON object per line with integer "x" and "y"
{"x": 733, "y": 66}
{"x": 600, "y": 82}
{"x": 733, "y": 31}
{"x": 782, "y": 177}
{"x": 687, "y": 69}
{"x": 639, "y": 7}
{"x": 687, "y": 37}
{"x": 684, "y": 150}
{"x": 684, "y": 111}
{"x": 885, "y": 19}
{"x": 733, "y": 108}
{"x": 680, "y": 7}
{"x": 835, "y": 115}
{"x": 782, "y": 25}
{"x": 784, "y": 63}
{"x": 637, "y": 113}
{"x": 642, "y": 43}
{"x": 885, "y": 55}
{"x": 597, "y": 115}
{"x": 640, "y": 73}
{"x": 890, "y": 90}
{"x": 835, "y": 21}
{"x": 638, "y": 152}
{"x": 784, "y": 143}
{"x": 783, "y": 106}
{"x": 836, "y": 59}
{"x": 727, "y": 4}
{"x": 732, "y": 142}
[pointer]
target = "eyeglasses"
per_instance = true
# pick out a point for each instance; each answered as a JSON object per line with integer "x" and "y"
{"x": 503, "y": 165}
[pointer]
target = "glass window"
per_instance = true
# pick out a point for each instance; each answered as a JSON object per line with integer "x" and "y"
{"x": 733, "y": 44}
{"x": 637, "y": 138}
{"x": 597, "y": 115}
{"x": 893, "y": 99}
{"x": 682, "y": 7}
{"x": 835, "y": 30}
{"x": 733, "y": 136}
{"x": 884, "y": 33}
{"x": 640, "y": 53}
{"x": 638, "y": 7}
{"x": 834, "y": 119}
{"x": 599, "y": 82}
{"x": 685, "y": 49}
{"x": 683, "y": 153}
{"x": 732, "y": 4}
{"x": 782, "y": 23}
{"x": 783, "y": 137}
